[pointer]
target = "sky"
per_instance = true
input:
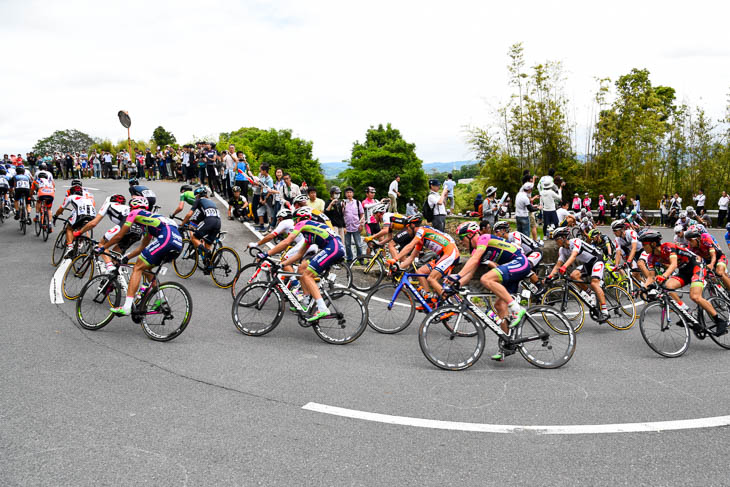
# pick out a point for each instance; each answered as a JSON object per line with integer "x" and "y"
{"x": 330, "y": 69}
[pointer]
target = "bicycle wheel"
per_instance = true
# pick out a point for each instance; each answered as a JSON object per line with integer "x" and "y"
{"x": 664, "y": 330}
{"x": 225, "y": 264}
{"x": 620, "y": 306}
{"x": 388, "y": 315}
{"x": 442, "y": 343}
{"x": 545, "y": 347}
{"x": 97, "y": 296}
{"x": 78, "y": 273}
{"x": 569, "y": 305}
{"x": 342, "y": 275}
{"x": 44, "y": 229}
{"x": 37, "y": 227}
{"x": 723, "y": 310}
{"x": 22, "y": 220}
{"x": 249, "y": 273}
{"x": 59, "y": 247}
{"x": 166, "y": 312}
{"x": 366, "y": 273}
{"x": 254, "y": 307}
{"x": 347, "y": 320}
{"x": 186, "y": 263}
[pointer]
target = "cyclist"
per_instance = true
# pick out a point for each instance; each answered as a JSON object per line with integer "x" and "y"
{"x": 331, "y": 251}
{"x": 627, "y": 245}
{"x": 82, "y": 212}
{"x": 679, "y": 237}
{"x": 46, "y": 191}
{"x": 635, "y": 221}
{"x": 4, "y": 186}
{"x": 706, "y": 247}
{"x": 586, "y": 225}
{"x": 186, "y": 196}
{"x": 20, "y": 184}
{"x": 166, "y": 246}
{"x": 403, "y": 237}
{"x": 204, "y": 213}
{"x": 136, "y": 190}
{"x": 727, "y": 234}
{"x": 689, "y": 271}
{"x": 85, "y": 192}
{"x": 591, "y": 264}
{"x": 531, "y": 249}
{"x": 602, "y": 242}
{"x": 301, "y": 201}
{"x": 43, "y": 169}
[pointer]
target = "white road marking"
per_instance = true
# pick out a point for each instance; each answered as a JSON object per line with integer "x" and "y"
{"x": 250, "y": 227}
{"x": 568, "y": 429}
{"x": 55, "y": 290}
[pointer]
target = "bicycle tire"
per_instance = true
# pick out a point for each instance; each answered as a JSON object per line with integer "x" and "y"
{"x": 437, "y": 331}
{"x": 342, "y": 329}
{"x": 186, "y": 263}
{"x": 98, "y": 295}
{"x": 387, "y": 319}
{"x": 44, "y": 230}
{"x": 248, "y": 274}
{"x": 343, "y": 275}
{"x": 572, "y": 309}
{"x": 59, "y": 248}
{"x": 620, "y": 306}
{"x": 223, "y": 272}
{"x": 669, "y": 338}
{"x": 723, "y": 309}
{"x": 554, "y": 350}
{"x": 80, "y": 271}
{"x": 367, "y": 273}
{"x": 22, "y": 220}
{"x": 37, "y": 227}
{"x": 162, "y": 307}
{"x": 253, "y": 307}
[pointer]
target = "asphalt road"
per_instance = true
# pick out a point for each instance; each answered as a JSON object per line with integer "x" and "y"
{"x": 216, "y": 407}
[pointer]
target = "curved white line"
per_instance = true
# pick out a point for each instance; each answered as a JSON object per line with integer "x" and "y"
{"x": 568, "y": 429}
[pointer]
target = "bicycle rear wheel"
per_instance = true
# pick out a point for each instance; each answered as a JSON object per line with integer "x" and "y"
{"x": 225, "y": 265}
{"x": 367, "y": 273}
{"x": 451, "y": 339}
{"x": 166, "y": 312}
{"x": 186, "y": 263}
{"x": 59, "y": 247}
{"x": 347, "y": 320}
{"x": 549, "y": 349}
{"x": 23, "y": 216}
{"x": 620, "y": 307}
{"x": 78, "y": 273}
{"x": 248, "y": 274}
{"x": 723, "y": 310}
{"x": 343, "y": 276}
{"x": 254, "y": 307}
{"x": 37, "y": 227}
{"x": 664, "y": 330}
{"x": 44, "y": 228}
{"x": 98, "y": 295}
{"x": 385, "y": 317}
{"x": 569, "y": 304}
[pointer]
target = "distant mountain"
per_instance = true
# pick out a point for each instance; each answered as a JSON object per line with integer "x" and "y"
{"x": 333, "y": 169}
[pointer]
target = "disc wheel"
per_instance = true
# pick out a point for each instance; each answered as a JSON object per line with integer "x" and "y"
{"x": 620, "y": 306}
{"x": 367, "y": 273}
{"x": 257, "y": 309}
{"x": 723, "y": 311}
{"x": 347, "y": 320}
{"x": 550, "y": 349}
{"x": 166, "y": 312}
{"x": 225, "y": 265}
{"x": 186, "y": 263}
{"x": 98, "y": 295}
{"x": 78, "y": 273}
{"x": 248, "y": 274}
{"x": 664, "y": 330}
{"x": 451, "y": 339}
{"x": 388, "y": 315}
{"x": 568, "y": 303}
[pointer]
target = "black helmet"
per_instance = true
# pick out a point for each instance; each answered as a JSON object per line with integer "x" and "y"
{"x": 236, "y": 189}
{"x": 415, "y": 219}
{"x": 43, "y": 166}
{"x": 561, "y": 232}
{"x": 133, "y": 181}
{"x": 651, "y": 236}
{"x": 76, "y": 182}
{"x": 691, "y": 233}
{"x": 185, "y": 187}
{"x": 202, "y": 191}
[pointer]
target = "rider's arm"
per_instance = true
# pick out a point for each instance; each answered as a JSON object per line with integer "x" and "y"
{"x": 178, "y": 209}
{"x": 632, "y": 254}
{"x": 555, "y": 268}
{"x": 296, "y": 257}
{"x": 116, "y": 238}
{"x": 713, "y": 258}
{"x": 471, "y": 265}
{"x": 671, "y": 267}
{"x": 187, "y": 217}
{"x": 283, "y": 244}
{"x": 93, "y": 223}
{"x": 407, "y": 249}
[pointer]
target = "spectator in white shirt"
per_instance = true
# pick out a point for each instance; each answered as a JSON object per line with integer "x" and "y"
{"x": 436, "y": 201}
{"x": 449, "y": 186}
{"x": 523, "y": 207}
{"x": 700, "y": 202}
{"x": 394, "y": 194}
{"x": 722, "y": 205}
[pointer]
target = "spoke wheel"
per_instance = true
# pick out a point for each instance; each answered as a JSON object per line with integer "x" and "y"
{"x": 342, "y": 275}
{"x": 166, "y": 312}
{"x": 664, "y": 330}
{"x": 552, "y": 349}
{"x": 569, "y": 305}
{"x": 44, "y": 230}
{"x": 385, "y": 317}
{"x": 248, "y": 274}
{"x": 620, "y": 306}
{"x": 367, "y": 273}
{"x": 257, "y": 309}
{"x": 37, "y": 227}
{"x": 451, "y": 339}
{"x": 78, "y": 273}
{"x": 186, "y": 263}
{"x": 723, "y": 311}
{"x": 59, "y": 247}
{"x": 98, "y": 295}
{"x": 225, "y": 265}
{"x": 347, "y": 320}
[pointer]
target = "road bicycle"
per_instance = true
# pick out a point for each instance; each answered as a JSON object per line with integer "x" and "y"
{"x": 23, "y": 211}
{"x": 59, "y": 245}
{"x": 162, "y": 309}
{"x": 42, "y": 225}
{"x": 571, "y": 300}
{"x": 4, "y": 209}
{"x": 259, "y": 307}
{"x": 223, "y": 264}
{"x": 368, "y": 271}
{"x": 665, "y": 326}
{"x": 82, "y": 268}
{"x": 453, "y": 337}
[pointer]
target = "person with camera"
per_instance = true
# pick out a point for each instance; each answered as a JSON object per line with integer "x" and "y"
{"x": 335, "y": 210}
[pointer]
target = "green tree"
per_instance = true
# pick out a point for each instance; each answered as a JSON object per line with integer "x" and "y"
{"x": 380, "y": 158}
{"x": 64, "y": 141}
{"x": 162, "y": 137}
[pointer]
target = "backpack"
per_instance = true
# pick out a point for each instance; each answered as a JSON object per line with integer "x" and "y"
{"x": 427, "y": 211}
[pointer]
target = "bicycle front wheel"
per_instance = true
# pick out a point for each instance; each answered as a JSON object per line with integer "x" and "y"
{"x": 569, "y": 304}
{"x": 664, "y": 330}
{"x": 248, "y": 274}
{"x": 186, "y": 263}
{"x": 386, "y": 314}
{"x": 545, "y": 347}
{"x": 723, "y": 311}
{"x": 225, "y": 265}
{"x": 78, "y": 273}
{"x": 343, "y": 276}
{"x": 59, "y": 247}
{"x": 97, "y": 296}
{"x": 367, "y": 273}
{"x": 257, "y": 309}
{"x": 620, "y": 306}
{"x": 347, "y": 320}
{"x": 451, "y": 339}
{"x": 166, "y": 312}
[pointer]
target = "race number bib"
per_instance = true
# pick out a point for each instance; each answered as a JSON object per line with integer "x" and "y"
{"x": 22, "y": 184}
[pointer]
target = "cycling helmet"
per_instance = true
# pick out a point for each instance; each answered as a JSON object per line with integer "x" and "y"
{"x": 185, "y": 187}
{"x": 594, "y": 233}
{"x": 20, "y": 166}
{"x": 43, "y": 167}
{"x": 618, "y": 225}
{"x": 303, "y": 213}
{"x": 133, "y": 182}
{"x": 501, "y": 225}
{"x": 585, "y": 220}
{"x": 690, "y": 209}
{"x": 236, "y": 189}
{"x": 76, "y": 182}
{"x": 651, "y": 236}
{"x": 300, "y": 199}
{"x": 201, "y": 191}
{"x": 20, "y": 170}
{"x": 381, "y": 208}
{"x": 561, "y": 232}
{"x": 4, "y": 172}
{"x": 138, "y": 203}
{"x": 335, "y": 189}
{"x": 634, "y": 213}
{"x": 679, "y": 228}
{"x": 682, "y": 215}
{"x": 76, "y": 189}
{"x": 284, "y": 213}
{"x": 727, "y": 227}
{"x": 467, "y": 229}
{"x": 118, "y": 198}
{"x": 692, "y": 232}
{"x": 418, "y": 218}
{"x": 42, "y": 175}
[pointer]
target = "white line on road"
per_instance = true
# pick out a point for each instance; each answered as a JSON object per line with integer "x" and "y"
{"x": 256, "y": 233}
{"x": 568, "y": 429}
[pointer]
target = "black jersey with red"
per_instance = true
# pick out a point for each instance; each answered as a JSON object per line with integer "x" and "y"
{"x": 684, "y": 256}
{"x": 706, "y": 245}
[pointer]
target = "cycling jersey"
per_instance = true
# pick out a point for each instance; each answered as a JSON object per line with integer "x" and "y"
{"x": 605, "y": 245}
{"x": 167, "y": 243}
{"x": 4, "y": 184}
{"x": 402, "y": 238}
{"x": 586, "y": 251}
{"x": 314, "y": 232}
{"x": 624, "y": 243}
{"x": 524, "y": 242}
{"x": 20, "y": 181}
{"x": 48, "y": 174}
{"x": 151, "y": 223}
{"x": 82, "y": 209}
{"x": 684, "y": 256}
{"x": 395, "y": 221}
{"x": 434, "y": 240}
{"x": 204, "y": 208}
{"x": 706, "y": 244}
{"x": 497, "y": 250}
{"x": 117, "y": 213}
{"x": 188, "y": 197}
{"x": 46, "y": 190}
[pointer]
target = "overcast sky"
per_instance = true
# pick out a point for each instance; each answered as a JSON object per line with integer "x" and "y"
{"x": 330, "y": 69}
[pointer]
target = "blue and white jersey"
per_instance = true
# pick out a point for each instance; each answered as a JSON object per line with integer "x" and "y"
{"x": 21, "y": 181}
{"x": 4, "y": 182}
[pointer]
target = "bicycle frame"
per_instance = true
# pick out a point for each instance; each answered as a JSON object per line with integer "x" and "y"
{"x": 405, "y": 282}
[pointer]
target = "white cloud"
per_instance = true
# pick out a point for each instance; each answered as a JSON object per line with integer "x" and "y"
{"x": 330, "y": 69}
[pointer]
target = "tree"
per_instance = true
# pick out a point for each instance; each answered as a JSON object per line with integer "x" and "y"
{"x": 380, "y": 158}
{"x": 162, "y": 137}
{"x": 64, "y": 141}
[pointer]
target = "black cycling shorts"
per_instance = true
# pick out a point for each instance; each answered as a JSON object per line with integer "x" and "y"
{"x": 81, "y": 220}
{"x": 22, "y": 194}
{"x": 208, "y": 229}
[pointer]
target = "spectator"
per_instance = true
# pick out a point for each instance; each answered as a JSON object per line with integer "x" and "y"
{"x": 411, "y": 207}
{"x": 266, "y": 197}
{"x": 576, "y": 202}
{"x": 614, "y": 206}
{"x": 436, "y": 202}
{"x": 237, "y": 205}
{"x": 523, "y": 207}
{"x": 185, "y": 164}
{"x": 675, "y": 206}
{"x": 393, "y": 194}
{"x": 96, "y": 162}
{"x": 291, "y": 190}
{"x": 230, "y": 161}
{"x": 601, "y": 210}
{"x": 335, "y": 211}
{"x": 107, "y": 167}
{"x": 587, "y": 202}
{"x": 637, "y": 204}
{"x": 550, "y": 195}
{"x": 478, "y": 200}
{"x": 664, "y": 209}
{"x": 314, "y": 202}
{"x": 449, "y": 186}
{"x": 368, "y": 203}
{"x": 242, "y": 173}
{"x": 279, "y": 188}
{"x": 211, "y": 156}
{"x": 700, "y": 202}
{"x": 562, "y": 212}
{"x": 68, "y": 166}
{"x": 621, "y": 208}
{"x": 354, "y": 215}
{"x": 722, "y": 205}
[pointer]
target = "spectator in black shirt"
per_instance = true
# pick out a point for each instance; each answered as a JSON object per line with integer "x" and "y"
{"x": 334, "y": 209}
{"x": 237, "y": 205}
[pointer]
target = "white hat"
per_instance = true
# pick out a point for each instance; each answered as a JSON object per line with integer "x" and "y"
{"x": 527, "y": 187}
